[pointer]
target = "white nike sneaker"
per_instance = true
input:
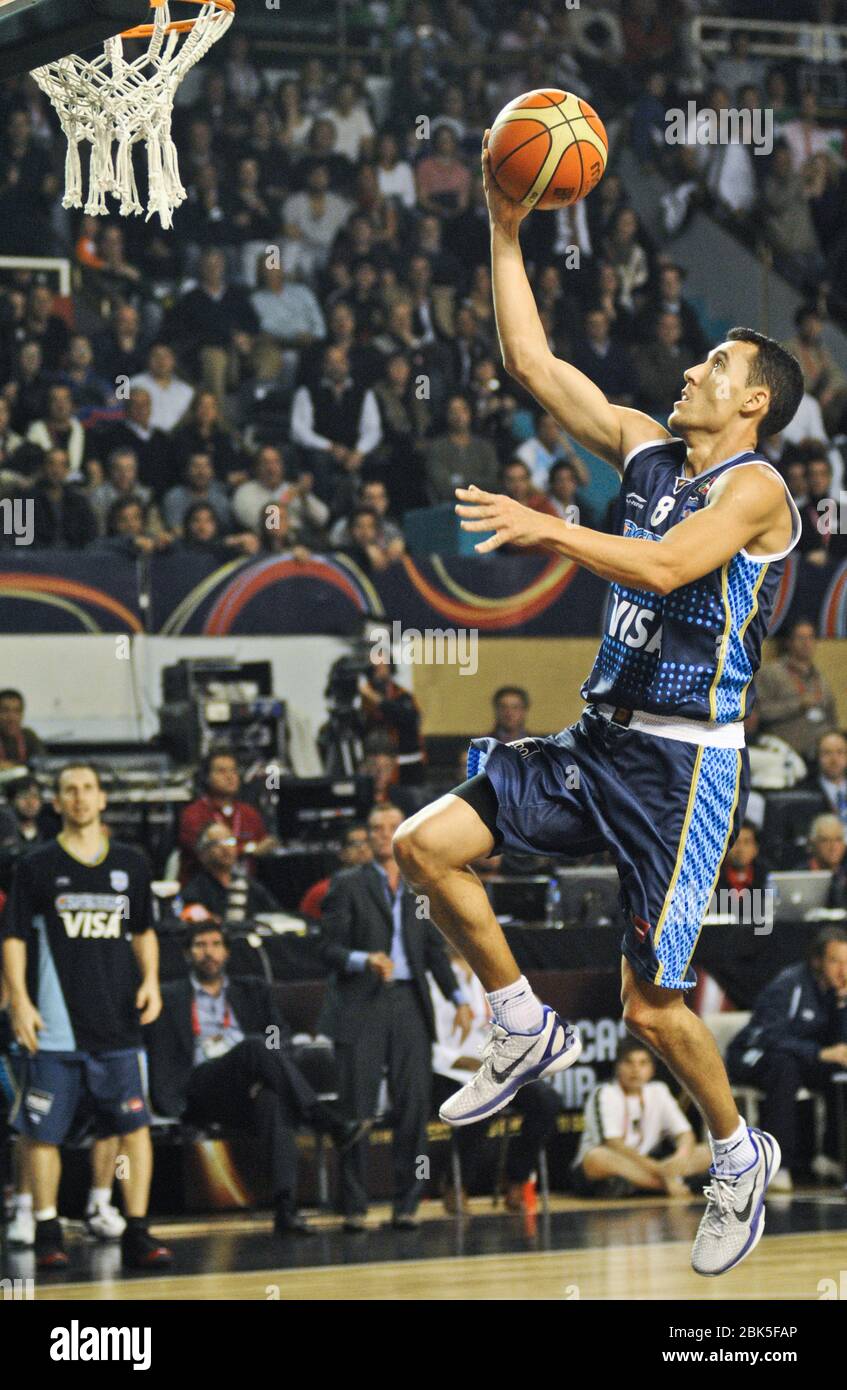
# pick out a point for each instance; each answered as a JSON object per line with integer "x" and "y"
{"x": 734, "y": 1219}
{"x": 21, "y": 1228}
{"x": 106, "y": 1223}
{"x": 509, "y": 1061}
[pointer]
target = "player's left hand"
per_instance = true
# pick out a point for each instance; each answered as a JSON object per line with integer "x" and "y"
{"x": 511, "y": 522}
{"x": 464, "y": 1020}
{"x": 148, "y": 1001}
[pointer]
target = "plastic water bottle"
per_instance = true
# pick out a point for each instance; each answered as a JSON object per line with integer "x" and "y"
{"x": 553, "y": 911}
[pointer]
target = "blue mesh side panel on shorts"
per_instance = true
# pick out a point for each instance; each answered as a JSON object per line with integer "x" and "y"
{"x": 715, "y": 798}
{"x": 476, "y": 761}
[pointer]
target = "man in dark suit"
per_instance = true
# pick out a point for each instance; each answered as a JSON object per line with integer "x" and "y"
{"x": 158, "y": 466}
{"x": 830, "y": 777}
{"x": 220, "y": 1051}
{"x": 377, "y": 938}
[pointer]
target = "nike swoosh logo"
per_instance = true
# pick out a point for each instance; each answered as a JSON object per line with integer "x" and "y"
{"x": 507, "y": 1072}
{"x": 744, "y": 1213}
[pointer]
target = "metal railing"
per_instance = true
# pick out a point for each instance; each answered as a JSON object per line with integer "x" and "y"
{"x": 769, "y": 38}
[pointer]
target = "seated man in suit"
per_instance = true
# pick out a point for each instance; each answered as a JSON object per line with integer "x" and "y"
{"x": 377, "y": 938}
{"x": 797, "y": 1036}
{"x": 830, "y": 775}
{"x": 220, "y": 1051}
{"x": 828, "y": 852}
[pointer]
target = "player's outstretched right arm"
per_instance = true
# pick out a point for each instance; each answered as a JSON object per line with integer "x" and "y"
{"x": 610, "y": 431}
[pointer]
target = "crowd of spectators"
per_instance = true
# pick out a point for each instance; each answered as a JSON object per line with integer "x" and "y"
{"x": 312, "y": 351}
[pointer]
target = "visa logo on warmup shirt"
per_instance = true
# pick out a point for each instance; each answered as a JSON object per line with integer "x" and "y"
{"x": 93, "y": 915}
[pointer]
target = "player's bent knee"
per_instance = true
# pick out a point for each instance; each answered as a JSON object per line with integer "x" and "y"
{"x": 416, "y": 848}
{"x": 448, "y": 834}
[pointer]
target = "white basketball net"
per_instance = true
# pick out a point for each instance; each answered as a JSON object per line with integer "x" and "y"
{"x": 111, "y": 102}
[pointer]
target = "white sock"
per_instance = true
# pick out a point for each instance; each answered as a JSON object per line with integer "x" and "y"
{"x": 22, "y": 1201}
{"x": 46, "y": 1214}
{"x": 516, "y": 1008}
{"x": 99, "y": 1197}
{"x": 733, "y": 1154}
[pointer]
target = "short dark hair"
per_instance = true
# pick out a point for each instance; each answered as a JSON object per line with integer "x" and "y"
{"x": 510, "y": 690}
{"x": 19, "y": 786}
{"x": 194, "y": 510}
{"x": 787, "y": 633}
{"x": 12, "y": 695}
{"x": 354, "y": 828}
{"x": 558, "y": 466}
{"x": 195, "y": 929}
{"x": 630, "y": 1045}
{"x": 75, "y": 765}
{"x": 750, "y": 825}
{"x": 218, "y": 750}
{"x": 515, "y": 462}
{"x": 824, "y": 938}
{"x": 778, "y": 369}
{"x": 119, "y": 506}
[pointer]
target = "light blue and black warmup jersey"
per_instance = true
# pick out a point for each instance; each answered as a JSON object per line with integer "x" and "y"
{"x": 691, "y": 654}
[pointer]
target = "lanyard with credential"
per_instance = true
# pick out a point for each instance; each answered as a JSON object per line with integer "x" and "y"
{"x": 195, "y": 1018}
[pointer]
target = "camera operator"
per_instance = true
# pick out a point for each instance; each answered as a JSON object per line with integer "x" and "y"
{"x": 388, "y": 708}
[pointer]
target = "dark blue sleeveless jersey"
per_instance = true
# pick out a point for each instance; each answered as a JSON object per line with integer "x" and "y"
{"x": 692, "y": 653}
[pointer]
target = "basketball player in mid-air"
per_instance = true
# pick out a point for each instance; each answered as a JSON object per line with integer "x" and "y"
{"x": 655, "y": 770}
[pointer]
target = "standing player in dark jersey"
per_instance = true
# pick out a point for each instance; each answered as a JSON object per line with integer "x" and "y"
{"x": 655, "y": 770}
{"x": 81, "y": 960}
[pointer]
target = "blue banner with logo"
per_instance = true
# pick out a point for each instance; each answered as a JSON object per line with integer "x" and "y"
{"x": 177, "y": 593}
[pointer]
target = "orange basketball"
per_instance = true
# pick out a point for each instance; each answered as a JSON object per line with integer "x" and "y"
{"x": 548, "y": 148}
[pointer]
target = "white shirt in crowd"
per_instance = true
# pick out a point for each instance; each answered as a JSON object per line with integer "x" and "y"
{"x": 316, "y": 232}
{"x": 539, "y": 460}
{"x": 398, "y": 183}
{"x": 350, "y": 131}
{"x": 642, "y": 1120}
{"x": 169, "y": 403}
{"x": 303, "y": 430}
{"x": 250, "y": 499}
{"x": 38, "y": 433}
{"x": 448, "y": 1045}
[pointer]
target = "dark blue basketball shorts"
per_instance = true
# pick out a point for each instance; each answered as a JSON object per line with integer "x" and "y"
{"x": 667, "y": 812}
{"x": 56, "y": 1087}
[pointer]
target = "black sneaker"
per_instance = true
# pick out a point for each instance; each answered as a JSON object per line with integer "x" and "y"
{"x": 50, "y": 1250}
{"x": 291, "y": 1223}
{"x": 141, "y": 1250}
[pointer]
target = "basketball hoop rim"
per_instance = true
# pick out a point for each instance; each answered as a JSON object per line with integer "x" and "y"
{"x": 179, "y": 26}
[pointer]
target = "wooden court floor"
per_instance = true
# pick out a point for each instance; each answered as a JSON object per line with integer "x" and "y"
{"x": 786, "y": 1267}
{"x": 602, "y": 1251}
